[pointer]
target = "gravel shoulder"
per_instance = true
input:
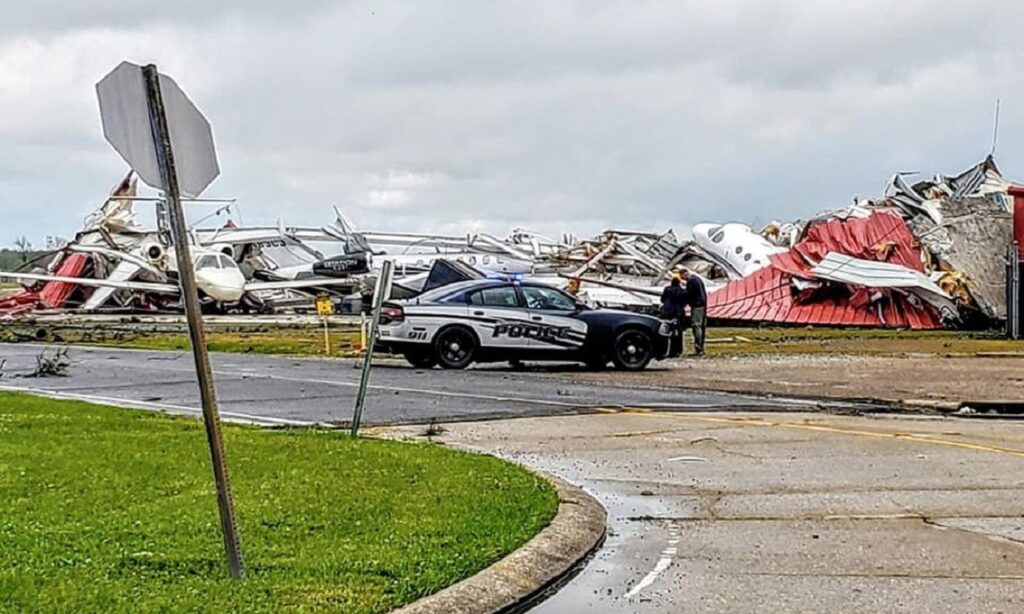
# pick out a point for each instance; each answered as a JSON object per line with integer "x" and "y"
{"x": 928, "y": 380}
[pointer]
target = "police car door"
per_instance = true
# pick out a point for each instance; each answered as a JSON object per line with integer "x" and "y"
{"x": 499, "y": 317}
{"x": 553, "y": 315}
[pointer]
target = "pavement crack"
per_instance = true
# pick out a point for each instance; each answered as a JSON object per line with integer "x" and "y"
{"x": 938, "y": 524}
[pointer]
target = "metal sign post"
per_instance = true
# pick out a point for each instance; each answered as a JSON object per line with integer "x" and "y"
{"x": 1013, "y": 294}
{"x": 147, "y": 119}
{"x": 325, "y": 308}
{"x": 380, "y": 294}
{"x": 197, "y": 336}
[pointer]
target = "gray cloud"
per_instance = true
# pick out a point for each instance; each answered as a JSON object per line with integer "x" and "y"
{"x": 558, "y": 116}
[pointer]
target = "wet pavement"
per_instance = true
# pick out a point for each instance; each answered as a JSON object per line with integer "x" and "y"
{"x": 730, "y": 512}
{"x": 280, "y": 390}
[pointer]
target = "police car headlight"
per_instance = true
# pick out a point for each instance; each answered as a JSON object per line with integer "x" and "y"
{"x": 665, "y": 329}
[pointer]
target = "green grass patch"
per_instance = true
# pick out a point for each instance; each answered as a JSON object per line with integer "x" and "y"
{"x": 263, "y": 340}
{"x": 290, "y": 342}
{"x": 107, "y": 509}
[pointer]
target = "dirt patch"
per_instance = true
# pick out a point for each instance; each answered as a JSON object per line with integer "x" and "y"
{"x": 725, "y": 341}
{"x": 912, "y": 380}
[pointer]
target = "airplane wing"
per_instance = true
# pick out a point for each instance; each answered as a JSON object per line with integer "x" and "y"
{"x": 141, "y": 286}
{"x": 290, "y": 284}
{"x": 124, "y": 271}
{"x": 207, "y": 236}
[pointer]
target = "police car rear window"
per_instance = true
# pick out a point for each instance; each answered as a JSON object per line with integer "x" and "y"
{"x": 547, "y": 298}
{"x": 494, "y": 297}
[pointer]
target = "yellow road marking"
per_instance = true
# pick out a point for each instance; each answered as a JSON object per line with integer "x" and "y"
{"x": 833, "y": 429}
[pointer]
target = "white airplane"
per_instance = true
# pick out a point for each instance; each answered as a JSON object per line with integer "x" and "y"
{"x": 735, "y": 247}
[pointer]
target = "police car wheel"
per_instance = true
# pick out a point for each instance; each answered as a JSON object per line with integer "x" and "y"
{"x": 455, "y": 347}
{"x": 421, "y": 360}
{"x": 633, "y": 350}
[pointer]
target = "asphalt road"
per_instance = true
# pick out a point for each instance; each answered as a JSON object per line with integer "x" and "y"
{"x": 277, "y": 390}
{"x": 730, "y": 512}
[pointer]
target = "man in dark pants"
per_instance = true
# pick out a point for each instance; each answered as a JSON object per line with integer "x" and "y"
{"x": 697, "y": 299}
{"x": 673, "y": 307}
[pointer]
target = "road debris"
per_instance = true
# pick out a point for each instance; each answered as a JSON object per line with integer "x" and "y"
{"x": 704, "y": 439}
{"x": 52, "y": 365}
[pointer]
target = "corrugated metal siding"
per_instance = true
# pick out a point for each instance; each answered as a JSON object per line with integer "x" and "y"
{"x": 55, "y": 293}
{"x": 768, "y": 296}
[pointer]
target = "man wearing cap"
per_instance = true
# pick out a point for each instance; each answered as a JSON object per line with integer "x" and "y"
{"x": 697, "y": 299}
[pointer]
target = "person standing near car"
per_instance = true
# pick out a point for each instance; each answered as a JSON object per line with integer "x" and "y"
{"x": 673, "y": 307}
{"x": 696, "y": 297}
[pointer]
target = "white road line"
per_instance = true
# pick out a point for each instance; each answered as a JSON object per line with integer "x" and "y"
{"x": 248, "y": 374}
{"x": 663, "y": 564}
{"x": 121, "y": 402}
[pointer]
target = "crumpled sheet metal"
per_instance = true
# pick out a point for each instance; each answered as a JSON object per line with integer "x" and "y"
{"x": 54, "y": 294}
{"x": 770, "y": 295}
{"x": 969, "y": 244}
{"x": 874, "y": 274}
{"x": 883, "y": 236}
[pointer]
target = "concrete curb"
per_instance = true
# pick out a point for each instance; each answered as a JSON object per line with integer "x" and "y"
{"x": 519, "y": 580}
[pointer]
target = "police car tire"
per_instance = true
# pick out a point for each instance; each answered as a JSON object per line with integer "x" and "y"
{"x": 460, "y": 335}
{"x": 421, "y": 359}
{"x": 643, "y": 350}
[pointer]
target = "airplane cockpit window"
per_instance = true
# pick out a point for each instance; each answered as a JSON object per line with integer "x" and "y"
{"x": 226, "y": 262}
{"x": 207, "y": 262}
{"x": 717, "y": 235}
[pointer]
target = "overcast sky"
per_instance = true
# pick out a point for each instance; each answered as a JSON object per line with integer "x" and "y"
{"x": 558, "y": 116}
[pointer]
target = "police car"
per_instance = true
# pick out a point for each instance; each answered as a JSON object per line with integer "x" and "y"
{"x": 485, "y": 320}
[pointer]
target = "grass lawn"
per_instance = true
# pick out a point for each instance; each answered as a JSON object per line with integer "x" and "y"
{"x": 301, "y": 342}
{"x": 261, "y": 340}
{"x": 107, "y": 509}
